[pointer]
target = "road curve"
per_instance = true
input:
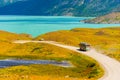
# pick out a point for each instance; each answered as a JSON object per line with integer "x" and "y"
{"x": 110, "y": 66}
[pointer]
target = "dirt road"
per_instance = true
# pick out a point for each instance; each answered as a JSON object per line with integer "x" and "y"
{"x": 110, "y": 66}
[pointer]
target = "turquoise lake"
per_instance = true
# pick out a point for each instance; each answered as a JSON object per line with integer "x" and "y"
{"x": 36, "y": 25}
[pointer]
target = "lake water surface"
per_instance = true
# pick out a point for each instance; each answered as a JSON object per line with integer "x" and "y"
{"x": 36, "y": 25}
{"x": 12, "y": 62}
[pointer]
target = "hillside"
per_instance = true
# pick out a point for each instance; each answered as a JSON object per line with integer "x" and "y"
{"x": 61, "y": 7}
{"x": 85, "y": 67}
{"x": 105, "y": 40}
{"x": 112, "y": 18}
{"x": 7, "y": 36}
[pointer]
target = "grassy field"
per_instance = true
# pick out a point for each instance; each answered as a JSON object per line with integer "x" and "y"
{"x": 105, "y": 40}
{"x": 6, "y": 39}
{"x": 85, "y": 67}
{"x": 6, "y": 36}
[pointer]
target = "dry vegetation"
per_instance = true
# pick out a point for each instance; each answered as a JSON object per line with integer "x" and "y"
{"x": 36, "y": 77}
{"x": 105, "y": 40}
{"x": 85, "y": 67}
{"x": 6, "y": 39}
{"x": 6, "y": 36}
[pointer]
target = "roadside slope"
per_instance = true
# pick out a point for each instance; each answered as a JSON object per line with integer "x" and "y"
{"x": 111, "y": 66}
{"x": 104, "y": 40}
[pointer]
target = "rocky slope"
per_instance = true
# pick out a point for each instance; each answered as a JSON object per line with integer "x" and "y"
{"x": 61, "y": 7}
{"x": 112, "y": 18}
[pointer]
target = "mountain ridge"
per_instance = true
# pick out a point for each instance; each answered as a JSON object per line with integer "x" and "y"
{"x": 62, "y": 7}
{"x": 7, "y": 2}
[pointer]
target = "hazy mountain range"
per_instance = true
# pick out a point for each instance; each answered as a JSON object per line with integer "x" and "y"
{"x": 59, "y": 7}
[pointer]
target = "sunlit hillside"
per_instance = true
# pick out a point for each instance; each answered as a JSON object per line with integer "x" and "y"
{"x": 84, "y": 67}
{"x": 6, "y": 36}
{"x": 105, "y": 40}
{"x": 6, "y": 39}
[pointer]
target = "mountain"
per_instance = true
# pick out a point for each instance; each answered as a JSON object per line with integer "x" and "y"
{"x": 112, "y": 18}
{"x": 61, "y": 7}
{"x": 28, "y": 7}
{"x": 6, "y": 2}
{"x": 86, "y": 7}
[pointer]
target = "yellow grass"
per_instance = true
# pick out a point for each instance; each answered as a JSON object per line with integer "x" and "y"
{"x": 81, "y": 71}
{"x": 35, "y": 77}
{"x": 6, "y": 36}
{"x": 33, "y": 50}
{"x": 105, "y": 40}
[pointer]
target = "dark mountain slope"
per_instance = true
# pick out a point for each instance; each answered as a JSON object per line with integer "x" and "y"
{"x": 6, "y": 2}
{"x": 62, "y": 7}
{"x": 31, "y": 7}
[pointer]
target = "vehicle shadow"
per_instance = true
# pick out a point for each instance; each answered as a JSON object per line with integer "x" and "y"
{"x": 81, "y": 50}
